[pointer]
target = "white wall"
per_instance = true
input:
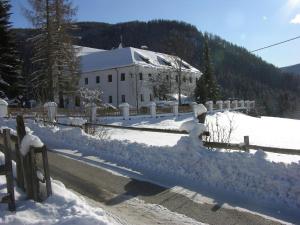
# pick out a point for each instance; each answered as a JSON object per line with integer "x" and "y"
{"x": 129, "y": 87}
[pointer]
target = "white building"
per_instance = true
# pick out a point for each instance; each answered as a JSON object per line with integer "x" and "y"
{"x": 128, "y": 74}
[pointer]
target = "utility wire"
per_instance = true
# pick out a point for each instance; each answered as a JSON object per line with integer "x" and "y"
{"x": 279, "y": 43}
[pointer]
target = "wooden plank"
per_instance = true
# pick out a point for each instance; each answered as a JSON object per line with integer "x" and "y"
{"x": 276, "y": 150}
{"x": 254, "y": 147}
{"x": 21, "y": 180}
{"x": 34, "y": 180}
{"x": 3, "y": 170}
{"x": 9, "y": 175}
{"x": 46, "y": 171}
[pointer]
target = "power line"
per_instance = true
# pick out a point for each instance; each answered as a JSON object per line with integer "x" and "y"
{"x": 279, "y": 43}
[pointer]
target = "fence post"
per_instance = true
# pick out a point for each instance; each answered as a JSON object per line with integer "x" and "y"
{"x": 174, "y": 108}
{"x": 234, "y": 104}
{"x": 51, "y": 108}
{"x": 242, "y": 103}
{"x": 21, "y": 132}
{"x": 209, "y": 105}
{"x": 3, "y": 108}
{"x": 26, "y": 166}
{"x": 227, "y": 104}
{"x": 220, "y": 105}
{"x": 9, "y": 171}
{"x": 125, "y": 110}
{"x": 246, "y": 143}
{"x": 152, "y": 107}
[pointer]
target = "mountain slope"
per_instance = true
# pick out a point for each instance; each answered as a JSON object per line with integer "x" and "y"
{"x": 239, "y": 73}
{"x": 292, "y": 69}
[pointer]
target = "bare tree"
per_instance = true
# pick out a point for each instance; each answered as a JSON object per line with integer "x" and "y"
{"x": 179, "y": 48}
{"x": 161, "y": 84}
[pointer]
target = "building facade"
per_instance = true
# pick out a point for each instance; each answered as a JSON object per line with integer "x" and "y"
{"x": 135, "y": 76}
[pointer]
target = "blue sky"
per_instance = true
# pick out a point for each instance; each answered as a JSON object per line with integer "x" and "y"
{"x": 248, "y": 23}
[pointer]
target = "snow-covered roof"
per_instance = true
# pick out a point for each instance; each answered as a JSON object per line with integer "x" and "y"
{"x": 120, "y": 57}
{"x": 83, "y": 51}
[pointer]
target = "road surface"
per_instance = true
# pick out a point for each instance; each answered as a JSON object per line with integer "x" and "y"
{"x": 118, "y": 194}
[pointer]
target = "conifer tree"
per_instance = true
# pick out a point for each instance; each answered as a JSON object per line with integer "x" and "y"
{"x": 55, "y": 66}
{"x": 9, "y": 63}
{"x": 206, "y": 86}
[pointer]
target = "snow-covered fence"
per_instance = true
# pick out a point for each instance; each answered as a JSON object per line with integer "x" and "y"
{"x": 24, "y": 148}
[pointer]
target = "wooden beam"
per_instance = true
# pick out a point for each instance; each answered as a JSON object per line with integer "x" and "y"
{"x": 9, "y": 174}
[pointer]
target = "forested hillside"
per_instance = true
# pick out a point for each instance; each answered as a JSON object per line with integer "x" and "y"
{"x": 292, "y": 69}
{"x": 240, "y": 74}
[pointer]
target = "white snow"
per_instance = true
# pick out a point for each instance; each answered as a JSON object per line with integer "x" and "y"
{"x": 63, "y": 207}
{"x": 176, "y": 161}
{"x": 119, "y": 57}
{"x": 28, "y": 141}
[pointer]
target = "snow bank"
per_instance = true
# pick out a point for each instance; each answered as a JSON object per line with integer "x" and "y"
{"x": 238, "y": 173}
{"x": 241, "y": 173}
{"x": 63, "y": 207}
{"x": 28, "y": 141}
{"x": 77, "y": 121}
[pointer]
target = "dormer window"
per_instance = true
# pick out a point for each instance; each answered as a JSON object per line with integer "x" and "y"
{"x": 144, "y": 58}
{"x": 163, "y": 61}
{"x": 185, "y": 65}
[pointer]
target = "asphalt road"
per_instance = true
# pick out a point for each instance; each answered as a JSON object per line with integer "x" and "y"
{"x": 113, "y": 191}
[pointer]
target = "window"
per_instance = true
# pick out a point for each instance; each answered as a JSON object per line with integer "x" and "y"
{"x": 142, "y": 98}
{"x": 110, "y": 99}
{"x": 184, "y": 79}
{"x": 141, "y": 76}
{"x": 151, "y": 97}
{"x": 122, "y": 76}
{"x": 97, "y": 79}
{"x": 109, "y": 78}
{"x": 149, "y": 75}
{"x": 177, "y": 79}
{"x": 191, "y": 80}
{"x": 86, "y": 81}
{"x": 123, "y": 98}
{"x": 167, "y": 77}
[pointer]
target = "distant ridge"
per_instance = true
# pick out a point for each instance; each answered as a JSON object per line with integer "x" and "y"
{"x": 292, "y": 69}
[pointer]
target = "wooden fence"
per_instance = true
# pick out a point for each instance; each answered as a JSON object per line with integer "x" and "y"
{"x": 27, "y": 169}
{"x": 7, "y": 170}
{"x": 246, "y": 146}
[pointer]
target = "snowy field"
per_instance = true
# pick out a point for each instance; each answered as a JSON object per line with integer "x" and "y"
{"x": 63, "y": 207}
{"x": 247, "y": 180}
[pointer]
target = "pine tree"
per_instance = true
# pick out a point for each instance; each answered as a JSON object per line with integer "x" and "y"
{"x": 9, "y": 63}
{"x": 207, "y": 87}
{"x": 55, "y": 66}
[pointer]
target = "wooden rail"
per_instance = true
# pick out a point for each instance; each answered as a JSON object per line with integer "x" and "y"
{"x": 240, "y": 147}
{"x": 246, "y": 147}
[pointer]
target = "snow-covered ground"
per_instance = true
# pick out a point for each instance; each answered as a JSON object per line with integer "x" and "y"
{"x": 63, "y": 207}
{"x": 240, "y": 178}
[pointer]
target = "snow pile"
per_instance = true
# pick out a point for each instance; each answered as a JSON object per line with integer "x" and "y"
{"x": 28, "y": 141}
{"x": 77, "y": 121}
{"x": 241, "y": 173}
{"x": 63, "y": 207}
{"x": 249, "y": 175}
{"x": 195, "y": 130}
